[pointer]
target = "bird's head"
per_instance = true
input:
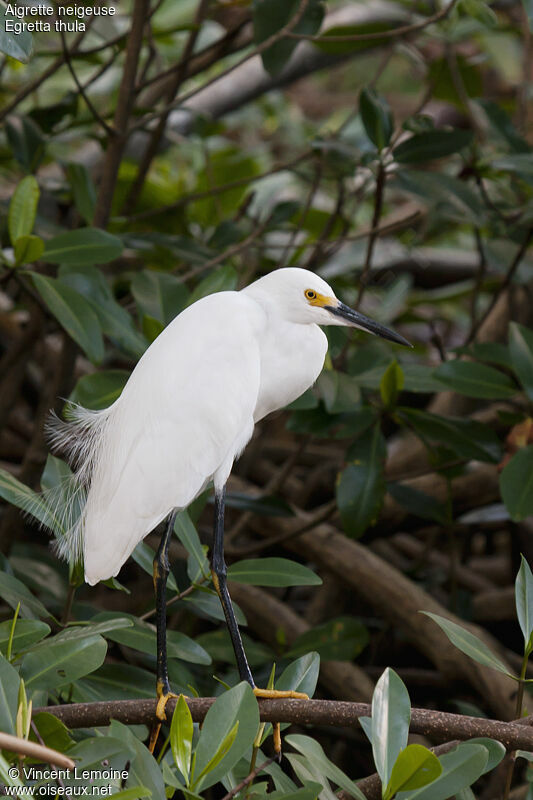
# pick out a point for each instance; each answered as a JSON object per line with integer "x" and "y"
{"x": 301, "y": 296}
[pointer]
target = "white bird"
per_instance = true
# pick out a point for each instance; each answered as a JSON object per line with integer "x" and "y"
{"x": 186, "y": 413}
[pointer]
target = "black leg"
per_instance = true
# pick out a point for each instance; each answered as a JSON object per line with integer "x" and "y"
{"x": 161, "y": 570}
{"x": 218, "y": 572}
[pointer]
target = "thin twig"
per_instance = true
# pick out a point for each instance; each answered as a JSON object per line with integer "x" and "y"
{"x": 249, "y": 778}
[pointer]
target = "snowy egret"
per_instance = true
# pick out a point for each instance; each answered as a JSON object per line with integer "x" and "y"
{"x": 186, "y": 413}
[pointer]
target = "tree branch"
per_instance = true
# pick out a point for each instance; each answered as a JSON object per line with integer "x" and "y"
{"x": 438, "y": 725}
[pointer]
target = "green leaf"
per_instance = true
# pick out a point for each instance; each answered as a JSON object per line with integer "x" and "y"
{"x": 181, "y": 733}
{"x": 28, "y": 249}
{"x": 391, "y": 384}
{"x": 377, "y": 117}
{"x": 361, "y": 485}
{"x": 159, "y": 295}
{"x": 340, "y": 639}
{"x": 415, "y": 767}
{"x": 236, "y": 705}
{"x": 140, "y": 635}
{"x": 133, "y": 793}
{"x": 144, "y": 769}
{"x": 143, "y": 555}
{"x": 223, "y": 279}
{"x": 272, "y": 572}
{"x": 418, "y": 503}
{"x": 468, "y": 438}
{"x": 62, "y": 662}
{"x": 454, "y": 199}
{"x": 310, "y": 791}
{"x": 23, "y": 208}
{"x": 83, "y": 189}
{"x": 16, "y": 45}
{"x": 21, "y": 496}
{"x": 207, "y": 603}
{"x": 26, "y": 140}
{"x": 83, "y": 631}
{"x": 356, "y": 45}
{"x": 188, "y": 536}
{"x": 27, "y": 632}
{"x": 521, "y": 347}
{"x": 391, "y": 714}
{"x": 222, "y": 750}
{"x": 269, "y": 16}
{"x": 475, "y": 380}
{"x": 84, "y": 246}
{"x": 114, "y": 320}
{"x": 524, "y": 600}
{"x": 301, "y": 675}
{"x": 431, "y": 144}
{"x": 99, "y": 389}
{"x": 496, "y": 751}
{"x": 14, "y": 592}
{"x": 469, "y": 644}
{"x": 9, "y": 687}
{"x": 74, "y": 313}
{"x": 316, "y": 757}
{"x": 516, "y": 484}
{"x": 264, "y": 505}
{"x": 460, "y": 769}
{"x": 52, "y": 731}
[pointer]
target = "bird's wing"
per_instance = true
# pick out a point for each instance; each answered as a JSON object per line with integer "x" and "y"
{"x": 184, "y": 415}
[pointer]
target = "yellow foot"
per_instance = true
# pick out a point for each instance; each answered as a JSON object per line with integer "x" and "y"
{"x": 279, "y": 694}
{"x": 162, "y": 700}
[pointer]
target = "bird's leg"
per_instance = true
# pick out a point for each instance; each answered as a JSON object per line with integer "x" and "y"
{"x": 218, "y": 572}
{"x": 161, "y": 570}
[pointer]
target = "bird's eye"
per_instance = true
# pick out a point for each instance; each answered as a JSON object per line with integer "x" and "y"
{"x": 310, "y": 294}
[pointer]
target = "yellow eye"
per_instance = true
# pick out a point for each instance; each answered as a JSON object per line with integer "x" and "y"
{"x": 310, "y": 294}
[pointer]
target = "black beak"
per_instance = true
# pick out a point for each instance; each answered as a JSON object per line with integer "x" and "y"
{"x": 366, "y": 324}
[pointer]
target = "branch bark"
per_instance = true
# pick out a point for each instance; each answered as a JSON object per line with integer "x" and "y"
{"x": 437, "y": 725}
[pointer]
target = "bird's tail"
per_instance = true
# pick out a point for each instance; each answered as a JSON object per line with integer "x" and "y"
{"x": 60, "y": 507}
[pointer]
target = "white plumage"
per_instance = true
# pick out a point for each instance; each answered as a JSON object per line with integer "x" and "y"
{"x": 189, "y": 408}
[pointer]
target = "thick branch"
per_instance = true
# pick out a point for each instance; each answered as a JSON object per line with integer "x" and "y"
{"x": 437, "y": 725}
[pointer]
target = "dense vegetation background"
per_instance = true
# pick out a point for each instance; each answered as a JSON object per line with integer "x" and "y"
{"x": 178, "y": 149}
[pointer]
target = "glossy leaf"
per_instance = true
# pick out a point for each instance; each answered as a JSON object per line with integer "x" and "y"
{"x": 143, "y": 555}
{"x": 270, "y": 16}
{"x": 52, "y": 731}
{"x": 524, "y": 600}
{"x": 21, "y": 496}
{"x": 460, "y": 769}
{"x": 456, "y": 200}
{"x": 83, "y": 246}
{"x": 475, "y": 380}
{"x": 340, "y": 639}
{"x": 377, "y": 117}
{"x": 391, "y": 715}
{"x": 415, "y": 767}
{"x": 114, "y": 320}
{"x": 418, "y": 503}
{"x": 99, "y": 389}
{"x": 516, "y": 484}
{"x": 144, "y": 769}
{"x": 83, "y": 189}
{"x": 16, "y": 45}
{"x": 391, "y": 384}
{"x": 237, "y": 704}
{"x": 431, "y": 144}
{"x": 188, "y": 536}
{"x": 9, "y": 687}
{"x": 14, "y": 592}
{"x": 159, "y": 295}
{"x": 315, "y": 755}
{"x": 28, "y": 249}
{"x": 468, "y": 643}
{"x": 23, "y": 208}
{"x": 521, "y": 348}
{"x": 301, "y": 675}
{"x": 361, "y": 485}
{"x": 140, "y": 635}
{"x": 26, "y": 140}
{"x": 272, "y": 572}
{"x": 62, "y": 662}
{"x": 181, "y": 733}
{"x": 468, "y": 438}
{"x": 27, "y": 632}
{"x": 74, "y": 313}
